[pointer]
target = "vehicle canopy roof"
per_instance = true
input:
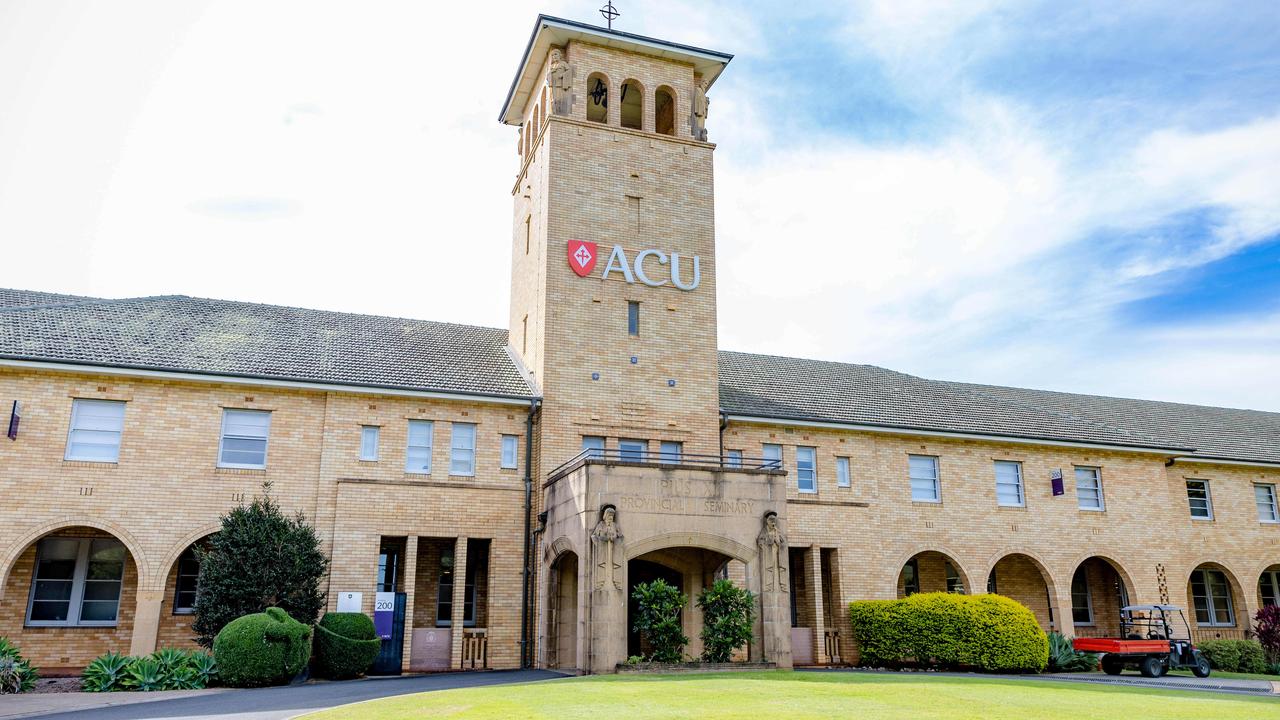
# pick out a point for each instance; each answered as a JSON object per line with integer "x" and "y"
{"x": 1165, "y": 608}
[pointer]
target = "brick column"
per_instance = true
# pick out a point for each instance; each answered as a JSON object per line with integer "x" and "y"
{"x": 813, "y": 580}
{"x": 410, "y": 584}
{"x": 146, "y": 622}
{"x": 459, "y": 601}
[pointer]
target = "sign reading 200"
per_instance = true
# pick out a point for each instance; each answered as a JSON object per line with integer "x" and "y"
{"x": 583, "y": 255}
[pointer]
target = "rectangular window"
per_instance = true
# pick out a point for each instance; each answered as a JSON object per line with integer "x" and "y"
{"x": 510, "y": 451}
{"x": 76, "y": 582}
{"x": 528, "y": 232}
{"x": 1269, "y": 587}
{"x": 670, "y": 451}
{"x": 633, "y": 450}
{"x": 842, "y": 472}
{"x": 595, "y": 444}
{"x": 923, "y": 471}
{"x": 1211, "y": 596}
{"x": 369, "y": 442}
{"x": 95, "y": 431}
{"x": 462, "y": 449}
{"x": 1009, "y": 484}
{"x": 1081, "y": 599}
{"x": 444, "y": 590}
{"x": 184, "y": 592}
{"x": 772, "y": 456}
{"x": 1089, "y": 488}
{"x": 733, "y": 458}
{"x": 390, "y": 561}
{"x": 417, "y": 457}
{"x": 807, "y": 469}
{"x": 244, "y": 439}
{"x": 1198, "y": 499}
{"x": 633, "y": 318}
{"x": 1265, "y": 498}
{"x": 910, "y": 578}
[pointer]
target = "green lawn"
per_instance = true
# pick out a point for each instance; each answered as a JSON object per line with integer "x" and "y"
{"x": 781, "y": 694}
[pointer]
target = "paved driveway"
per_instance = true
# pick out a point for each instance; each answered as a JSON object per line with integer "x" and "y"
{"x": 280, "y": 703}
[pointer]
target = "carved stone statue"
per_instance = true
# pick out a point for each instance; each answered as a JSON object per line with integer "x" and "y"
{"x": 773, "y": 554}
{"x": 701, "y": 103}
{"x": 606, "y": 536}
{"x": 560, "y": 79}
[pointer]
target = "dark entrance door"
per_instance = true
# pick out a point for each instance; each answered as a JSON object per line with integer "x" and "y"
{"x": 642, "y": 571}
{"x": 390, "y": 657}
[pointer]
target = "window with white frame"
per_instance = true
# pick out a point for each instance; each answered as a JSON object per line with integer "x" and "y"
{"x": 510, "y": 451}
{"x": 94, "y": 435}
{"x": 369, "y": 442}
{"x": 807, "y": 469}
{"x": 1211, "y": 597}
{"x": 734, "y": 458}
{"x": 417, "y": 456}
{"x": 595, "y": 444}
{"x": 633, "y": 450}
{"x": 772, "y": 456}
{"x": 462, "y": 449}
{"x": 1089, "y": 488}
{"x": 1081, "y": 598}
{"x": 1009, "y": 484}
{"x": 1264, "y": 496}
{"x": 1269, "y": 587}
{"x": 76, "y": 581}
{"x": 244, "y": 439}
{"x": 923, "y": 472}
{"x": 1198, "y": 500}
{"x": 842, "y": 472}
{"x": 670, "y": 451}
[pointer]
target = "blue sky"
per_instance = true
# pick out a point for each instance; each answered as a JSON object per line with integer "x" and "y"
{"x": 1077, "y": 196}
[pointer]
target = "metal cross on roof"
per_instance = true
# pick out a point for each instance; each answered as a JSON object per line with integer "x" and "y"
{"x": 609, "y": 12}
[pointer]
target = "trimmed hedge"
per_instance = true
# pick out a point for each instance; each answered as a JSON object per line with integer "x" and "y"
{"x": 346, "y": 645}
{"x": 987, "y": 632}
{"x": 1234, "y": 655}
{"x": 267, "y": 648}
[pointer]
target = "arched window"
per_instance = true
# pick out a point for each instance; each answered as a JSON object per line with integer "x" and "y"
{"x": 632, "y": 99}
{"x": 542, "y": 108}
{"x": 597, "y": 97}
{"x": 664, "y": 111}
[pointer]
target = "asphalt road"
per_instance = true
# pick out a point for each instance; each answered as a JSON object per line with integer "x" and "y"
{"x": 279, "y": 703}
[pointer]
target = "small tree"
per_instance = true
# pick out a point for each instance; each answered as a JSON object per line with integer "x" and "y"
{"x": 260, "y": 558}
{"x": 658, "y": 619}
{"x": 1267, "y": 624}
{"x": 728, "y": 613}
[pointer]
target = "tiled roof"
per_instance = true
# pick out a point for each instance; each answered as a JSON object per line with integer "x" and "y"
{"x": 220, "y": 337}
{"x": 27, "y": 298}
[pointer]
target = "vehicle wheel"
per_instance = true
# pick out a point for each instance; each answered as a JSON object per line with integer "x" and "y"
{"x": 1152, "y": 667}
{"x": 1201, "y": 668}
{"x": 1112, "y": 665}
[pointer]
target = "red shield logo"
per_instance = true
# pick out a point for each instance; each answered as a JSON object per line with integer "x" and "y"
{"x": 582, "y": 256}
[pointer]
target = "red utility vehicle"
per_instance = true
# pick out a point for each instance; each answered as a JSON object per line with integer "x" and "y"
{"x": 1153, "y": 638}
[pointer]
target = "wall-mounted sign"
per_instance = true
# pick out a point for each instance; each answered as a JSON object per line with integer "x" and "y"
{"x": 583, "y": 255}
{"x": 1055, "y": 477}
{"x": 15, "y": 416}
{"x": 350, "y": 601}
{"x": 384, "y": 611}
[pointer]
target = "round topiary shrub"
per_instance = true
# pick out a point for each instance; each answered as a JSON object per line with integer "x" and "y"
{"x": 267, "y": 648}
{"x": 987, "y": 632}
{"x": 346, "y": 645}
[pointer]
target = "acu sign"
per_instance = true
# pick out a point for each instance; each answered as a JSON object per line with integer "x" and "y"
{"x": 583, "y": 255}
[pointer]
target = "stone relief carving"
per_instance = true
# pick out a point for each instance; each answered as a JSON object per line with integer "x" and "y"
{"x": 560, "y": 79}
{"x": 607, "y": 537}
{"x": 701, "y": 103}
{"x": 773, "y": 554}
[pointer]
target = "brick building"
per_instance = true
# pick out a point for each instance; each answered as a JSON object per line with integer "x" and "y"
{"x": 506, "y": 488}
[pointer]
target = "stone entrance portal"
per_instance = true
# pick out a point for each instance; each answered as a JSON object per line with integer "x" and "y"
{"x": 625, "y": 522}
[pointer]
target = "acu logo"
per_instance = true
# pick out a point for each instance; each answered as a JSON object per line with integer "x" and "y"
{"x": 583, "y": 255}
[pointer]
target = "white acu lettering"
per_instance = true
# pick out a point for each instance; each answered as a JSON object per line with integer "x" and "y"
{"x": 618, "y": 261}
{"x": 675, "y": 273}
{"x": 662, "y": 260}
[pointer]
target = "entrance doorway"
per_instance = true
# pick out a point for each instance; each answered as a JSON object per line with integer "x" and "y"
{"x": 690, "y": 570}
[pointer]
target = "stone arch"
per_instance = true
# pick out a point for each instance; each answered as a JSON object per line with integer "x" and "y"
{"x": 126, "y": 538}
{"x": 597, "y": 97}
{"x": 1273, "y": 590}
{"x": 562, "y": 609}
{"x": 556, "y": 548}
{"x": 664, "y": 110}
{"x": 1103, "y": 607}
{"x": 631, "y": 104}
{"x": 176, "y": 551}
{"x": 950, "y": 557}
{"x": 705, "y": 541}
{"x": 1015, "y": 582}
{"x": 1237, "y": 594}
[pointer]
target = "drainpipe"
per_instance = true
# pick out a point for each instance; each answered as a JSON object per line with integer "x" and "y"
{"x": 527, "y": 571}
{"x": 724, "y": 423}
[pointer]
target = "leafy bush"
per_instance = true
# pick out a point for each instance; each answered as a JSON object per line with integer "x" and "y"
{"x": 16, "y": 673}
{"x": 106, "y": 673}
{"x": 1266, "y": 622}
{"x": 947, "y": 630}
{"x": 165, "y": 669}
{"x": 346, "y": 645}
{"x": 143, "y": 675}
{"x": 267, "y": 648}
{"x": 204, "y": 667}
{"x": 658, "y": 619}
{"x": 1235, "y": 655}
{"x": 260, "y": 558}
{"x": 728, "y": 614}
{"x": 1063, "y": 657}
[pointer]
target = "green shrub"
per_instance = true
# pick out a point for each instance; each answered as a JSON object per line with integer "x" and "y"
{"x": 1266, "y": 622}
{"x": 728, "y": 614}
{"x": 346, "y": 645}
{"x": 1235, "y": 655}
{"x": 165, "y": 669}
{"x": 658, "y": 619}
{"x": 947, "y": 630}
{"x": 143, "y": 674}
{"x": 106, "y": 673}
{"x": 16, "y": 673}
{"x": 267, "y": 648}
{"x": 1063, "y": 656}
{"x": 204, "y": 667}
